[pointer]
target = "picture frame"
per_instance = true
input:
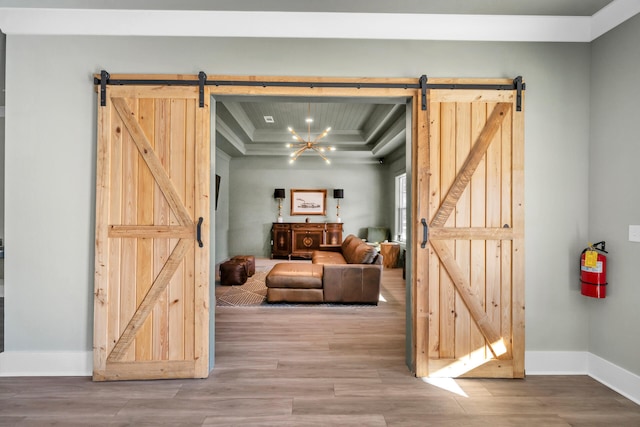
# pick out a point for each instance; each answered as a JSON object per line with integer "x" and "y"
{"x": 308, "y": 202}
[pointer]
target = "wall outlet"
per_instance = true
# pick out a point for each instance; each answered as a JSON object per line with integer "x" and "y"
{"x": 634, "y": 233}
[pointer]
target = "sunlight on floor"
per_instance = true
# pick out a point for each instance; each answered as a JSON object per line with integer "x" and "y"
{"x": 381, "y": 299}
{"x": 462, "y": 365}
{"x": 448, "y": 384}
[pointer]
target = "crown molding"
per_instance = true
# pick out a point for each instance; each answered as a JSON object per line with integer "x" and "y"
{"x": 388, "y": 26}
{"x": 612, "y": 15}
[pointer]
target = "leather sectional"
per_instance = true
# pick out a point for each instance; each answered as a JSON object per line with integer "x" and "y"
{"x": 347, "y": 273}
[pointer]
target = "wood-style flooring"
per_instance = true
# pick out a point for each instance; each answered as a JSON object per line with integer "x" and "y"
{"x": 315, "y": 366}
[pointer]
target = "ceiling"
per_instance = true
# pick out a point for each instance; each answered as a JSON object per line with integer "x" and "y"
{"x": 361, "y": 131}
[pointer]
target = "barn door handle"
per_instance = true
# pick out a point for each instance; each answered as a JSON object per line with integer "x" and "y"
{"x": 425, "y": 233}
{"x": 199, "y": 232}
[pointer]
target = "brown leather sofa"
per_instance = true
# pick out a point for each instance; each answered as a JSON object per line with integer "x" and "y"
{"x": 349, "y": 273}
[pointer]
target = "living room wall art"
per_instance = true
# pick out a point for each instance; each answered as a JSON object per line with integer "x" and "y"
{"x": 308, "y": 202}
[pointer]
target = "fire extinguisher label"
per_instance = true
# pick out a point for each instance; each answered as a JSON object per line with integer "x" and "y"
{"x": 596, "y": 269}
{"x": 590, "y": 259}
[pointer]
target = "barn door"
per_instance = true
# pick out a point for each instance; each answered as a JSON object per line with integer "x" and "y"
{"x": 151, "y": 311}
{"x": 473, "y": 264}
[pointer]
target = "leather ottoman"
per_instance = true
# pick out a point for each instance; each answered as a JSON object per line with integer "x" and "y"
{"x": 295, "y": 282}
{"x": 233, "y": 273}
{"x": 251, "y": 263}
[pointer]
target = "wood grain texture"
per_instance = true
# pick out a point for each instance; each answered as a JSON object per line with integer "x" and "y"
{"x": 471, "y": 234}
{"x": 469, "y": 296}
{"x": 149, "y": 300}
{"x": 146, "y": 151}
{"x": 153, "y": 293}
{"x": 471, "y": 163}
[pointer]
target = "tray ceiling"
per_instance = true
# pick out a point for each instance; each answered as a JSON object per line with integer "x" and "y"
{"x": 361, "y": 131}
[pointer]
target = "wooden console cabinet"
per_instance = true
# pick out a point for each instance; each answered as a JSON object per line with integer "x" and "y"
{"x": 300, "y": 239}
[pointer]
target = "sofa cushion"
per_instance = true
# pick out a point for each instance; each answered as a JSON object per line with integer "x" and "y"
{"x": 295, "y": 275}
{"x": 346, "y": 241}
{"x": 295, "y": 295}
{"x": 326, "y": 257}
{"x": 360, "y": 253}
{"x": 348, "y": 250}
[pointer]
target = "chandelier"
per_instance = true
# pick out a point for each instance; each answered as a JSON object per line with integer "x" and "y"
{"x": 301, "y": 145}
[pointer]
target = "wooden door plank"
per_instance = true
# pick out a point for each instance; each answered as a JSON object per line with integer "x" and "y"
{"x": 152, "y": 161}
{"x": 161, "y": 247}
{"x": 462, "y": 217}
{"x": 140, "y": 315}
{"x": 471, "y": 233}
{"x": 477, "y": 152}
{"x": 151, "y": 231}
{"x": 115, "y": 245}
{"x": 189, "y": 261}
{"x": 448, "y": 172}
{"x": 144, "y": 270}
{"x": 432, "y": 188}
{"x": 470, "y": 299}
{"x": 506, "y": 187}
{"x": 473, "y": 96}
{"x": 177, "y": 283}
{"x": 420, "y": 309}
{"x": 517, "y": 212}
{"x": 478, "y": 222}
{"x": 102, "y": 250}
{"x": 493, "y": 219}
{"x": 147, "y": 370}
{"x": 129, "y": 255}
{"x": 453, "y": 368}
{"x": 202, "y": 254}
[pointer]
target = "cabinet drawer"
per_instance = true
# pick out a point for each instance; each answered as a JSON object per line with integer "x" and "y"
{"x": 307, "y": 226}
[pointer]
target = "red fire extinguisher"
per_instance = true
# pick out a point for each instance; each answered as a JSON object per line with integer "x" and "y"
{"x": 593, "y": 271}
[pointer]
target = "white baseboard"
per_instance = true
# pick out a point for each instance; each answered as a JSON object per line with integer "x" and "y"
{"x": 616, "y": 378}
{"x": 584, "y": 363}
{"x": 54, "y": 363}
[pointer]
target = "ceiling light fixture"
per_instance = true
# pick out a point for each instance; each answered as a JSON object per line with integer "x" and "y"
{"x": 303, "y": 145}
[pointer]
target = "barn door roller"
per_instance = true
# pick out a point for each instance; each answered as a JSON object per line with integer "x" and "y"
{"x": 202, "y": 79}
{"x": 104, "y": 79}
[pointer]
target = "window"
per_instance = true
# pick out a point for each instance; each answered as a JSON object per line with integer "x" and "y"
{"x": 401, "y": 207}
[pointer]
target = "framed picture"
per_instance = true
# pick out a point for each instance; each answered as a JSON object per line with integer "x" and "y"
{"x": 308, "y": 202}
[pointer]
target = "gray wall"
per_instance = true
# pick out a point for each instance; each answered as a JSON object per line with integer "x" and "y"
{"x": 254, "y": 209}
{"x": 614, "y": 198}
{"x": 50, "y": 156}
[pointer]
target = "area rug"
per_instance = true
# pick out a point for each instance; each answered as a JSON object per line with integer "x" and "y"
{"x": 253, "y": 292}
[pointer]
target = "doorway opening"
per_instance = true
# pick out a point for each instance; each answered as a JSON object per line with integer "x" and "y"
{"x": 251, "y": 170}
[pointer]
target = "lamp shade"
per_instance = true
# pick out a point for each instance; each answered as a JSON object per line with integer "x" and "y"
{"x": 278, "y": 193}
{"x": 338, "y": 193}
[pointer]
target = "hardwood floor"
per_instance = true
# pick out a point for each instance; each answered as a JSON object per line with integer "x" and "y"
{"x": 315, "y": 366}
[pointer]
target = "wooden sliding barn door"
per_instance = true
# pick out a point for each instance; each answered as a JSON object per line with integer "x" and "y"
{"x": 152, "y": 200}
{"x": 471, "y": 272}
